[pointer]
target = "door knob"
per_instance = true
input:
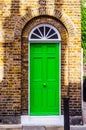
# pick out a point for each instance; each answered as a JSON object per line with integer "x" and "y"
{"x": 44, "y": 84}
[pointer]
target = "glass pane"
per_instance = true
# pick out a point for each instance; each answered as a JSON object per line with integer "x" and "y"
{"x": 34, "y": 37}
{"x": 54, "y": 37}
{"x": 42, "y": 30}
{"x": 51, "y": 32}
{"x": 37, "y": 32}
{"x": 46, "y": 30}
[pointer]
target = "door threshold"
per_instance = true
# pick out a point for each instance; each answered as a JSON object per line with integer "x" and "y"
{"x": 42, "y": 120}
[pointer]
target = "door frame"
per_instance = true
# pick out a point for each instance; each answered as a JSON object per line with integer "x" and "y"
{"x": 29, "y": 73}
{"x": 44, "y": 37}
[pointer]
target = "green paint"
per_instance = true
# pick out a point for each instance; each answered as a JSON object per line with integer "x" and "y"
{"x": 44, "y": 79}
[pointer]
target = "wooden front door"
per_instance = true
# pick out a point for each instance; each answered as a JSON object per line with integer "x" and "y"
{"x": 44, "y": 79}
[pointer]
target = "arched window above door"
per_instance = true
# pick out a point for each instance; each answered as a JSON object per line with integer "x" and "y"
{"x": 44, "y": 32}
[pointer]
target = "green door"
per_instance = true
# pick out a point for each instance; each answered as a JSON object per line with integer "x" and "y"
{"x": 44, "y": 79}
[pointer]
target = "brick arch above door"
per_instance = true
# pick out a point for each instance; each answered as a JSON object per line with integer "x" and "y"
{"x": 24, "y": 52}
{"x": 58, "y": 14}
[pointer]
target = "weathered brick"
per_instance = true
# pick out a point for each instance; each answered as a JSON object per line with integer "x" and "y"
{"x": 17, "y": 19}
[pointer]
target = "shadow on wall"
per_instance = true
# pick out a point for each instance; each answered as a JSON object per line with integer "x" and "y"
{"x": 75, "y": 104}
{"x": 9, "y": 22}
{"x": 9, "y": 86}
{"x": 10, "y": 57}
{"x": 84, "y": 90}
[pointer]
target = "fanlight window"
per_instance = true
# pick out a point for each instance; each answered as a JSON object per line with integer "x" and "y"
{"x": 44, "y": 32}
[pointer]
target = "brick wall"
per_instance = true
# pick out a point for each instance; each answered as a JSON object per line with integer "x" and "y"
{"x": 17, "y": 18}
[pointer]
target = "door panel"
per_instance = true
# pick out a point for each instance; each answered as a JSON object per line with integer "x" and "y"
{"x": 51, "y": 75}
{"x": 44, "y": 79}
{"x": 37, "y": 68}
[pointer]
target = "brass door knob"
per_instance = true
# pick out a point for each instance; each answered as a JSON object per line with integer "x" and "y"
{"x": 44, "y": 84}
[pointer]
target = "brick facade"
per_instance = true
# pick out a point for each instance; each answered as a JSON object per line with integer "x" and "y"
{"x": 17, "y": 18}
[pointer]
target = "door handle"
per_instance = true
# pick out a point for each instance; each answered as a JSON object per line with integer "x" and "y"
{"x": 44, "y": 84}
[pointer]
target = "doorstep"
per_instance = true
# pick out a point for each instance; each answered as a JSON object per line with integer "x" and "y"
{"x": 42, "y": 120}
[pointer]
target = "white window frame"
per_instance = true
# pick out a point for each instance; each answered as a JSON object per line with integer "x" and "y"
{"x": 44, "y": 38}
